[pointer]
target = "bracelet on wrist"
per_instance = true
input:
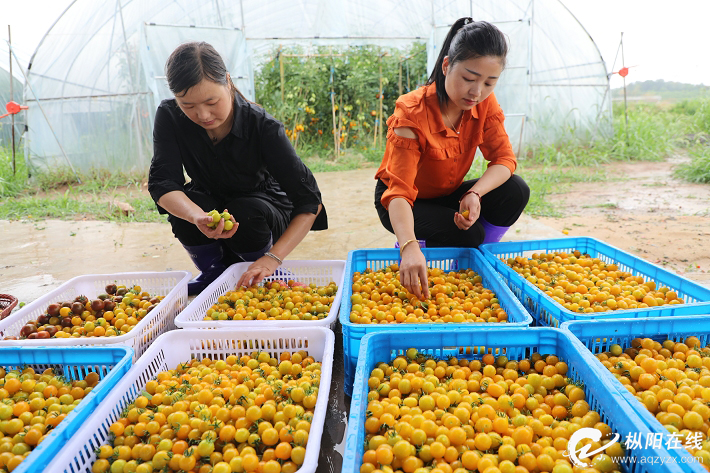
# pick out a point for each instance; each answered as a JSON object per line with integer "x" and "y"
{"x": 402, "y": 247}
{"x": 471, "y": 191}
{"x": 273, "y": 256}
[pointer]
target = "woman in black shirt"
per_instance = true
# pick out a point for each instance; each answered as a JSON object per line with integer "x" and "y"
{"x": 238, "y": 159}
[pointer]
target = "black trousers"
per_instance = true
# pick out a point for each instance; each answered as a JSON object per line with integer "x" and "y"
{"x": 434, "y": 218}
{"x": 259, "y": 220}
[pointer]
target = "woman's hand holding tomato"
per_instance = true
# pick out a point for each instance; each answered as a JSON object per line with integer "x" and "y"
{"x": 469, "y": 211}
{"x": 217, "y": 232}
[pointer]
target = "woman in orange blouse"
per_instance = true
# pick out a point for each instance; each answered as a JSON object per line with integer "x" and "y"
{"x": 431, "y": 142}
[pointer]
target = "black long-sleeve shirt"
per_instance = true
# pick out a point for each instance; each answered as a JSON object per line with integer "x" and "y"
{"x": 255, "y": 158}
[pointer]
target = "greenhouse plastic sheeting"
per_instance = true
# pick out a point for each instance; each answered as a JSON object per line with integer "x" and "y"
{"x": 98, "y": 72}
{"x": 160, "y": 40}
{"x": 5, "y": 97}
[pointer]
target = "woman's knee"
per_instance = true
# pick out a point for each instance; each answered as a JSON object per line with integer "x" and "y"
{"x": 382, "y": 212}
{"x": 457, "y": 238}
{"x": 202, "y": 200}
{"x": 249, "y": 209}
{"x": 187, "y": 233}
{"x": 474, "y": 235}
{"x": 518, "y": 185}
{"x": 257, "y": 225}
{"x": 384, "y": 216}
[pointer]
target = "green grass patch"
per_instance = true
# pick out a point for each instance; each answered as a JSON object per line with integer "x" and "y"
{"x": 73, "y": 206}
{"x": 349, "y": 161}
{"x": 698, "y": 112}
{"x": 59, "y": 194}
{"x": 651, "y": 135}
{"x": 607, "y": 205}
{"x": 11, "y": 183}
{"x": 697, "y": 140}
{"x": 93, "y": 182}
{"x": 544, "y": 181}
{"x": 698, "y": 169}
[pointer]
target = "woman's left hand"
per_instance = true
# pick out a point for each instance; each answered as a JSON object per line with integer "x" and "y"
{"x": 257, "y": 271}
{"x": 473, "y": 205}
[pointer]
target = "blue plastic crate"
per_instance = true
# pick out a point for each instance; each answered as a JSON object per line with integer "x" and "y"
{"x": 599, "y": 336}
{"x": 515, "y": 343}
{"x": 547, "y": 312}
{"x": 449, "y": 259}
{"x": 110, "y": 363}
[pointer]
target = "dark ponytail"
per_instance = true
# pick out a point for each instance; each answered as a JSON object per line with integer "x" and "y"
{"x": 192, "y": 62}
{"x": 467, "y": 39}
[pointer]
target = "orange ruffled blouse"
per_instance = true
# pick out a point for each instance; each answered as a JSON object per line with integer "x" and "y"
{"x": 434, "y": 164}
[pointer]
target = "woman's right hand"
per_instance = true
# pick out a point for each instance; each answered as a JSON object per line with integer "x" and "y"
{"x": 202, "y": 219}
{"x": 413, "y": 271}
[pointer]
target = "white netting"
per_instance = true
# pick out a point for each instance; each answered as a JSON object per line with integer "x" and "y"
{"x": 98, "y": 73}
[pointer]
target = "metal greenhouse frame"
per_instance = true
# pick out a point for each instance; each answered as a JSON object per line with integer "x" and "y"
{"x": 98, "y": 72}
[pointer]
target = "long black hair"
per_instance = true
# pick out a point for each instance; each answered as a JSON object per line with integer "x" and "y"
{"x": 192, "y": 62}
{"x": 467, "y": 39}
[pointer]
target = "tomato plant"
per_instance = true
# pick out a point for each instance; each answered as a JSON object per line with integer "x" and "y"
{"x": 352, "y": 76}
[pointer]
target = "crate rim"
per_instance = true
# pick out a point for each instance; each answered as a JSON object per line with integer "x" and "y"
{"x": 64, "y": 461}
{"x": 182, "y": 276}
{"x": 576, "y": 343}
{"x": 629, "y": 320}
{"x": 327, "y": 322}
{"x": 344, "y": 315}
{"x": 613, "y": 315}
{"x": 7, "y": 303}
{"x": 99, "y": 393}
{"x": 650, "y": 420}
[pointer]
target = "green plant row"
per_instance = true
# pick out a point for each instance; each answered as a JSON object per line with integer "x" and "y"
{"x": 652, "y": 133}
{"x": 330, "y": 97}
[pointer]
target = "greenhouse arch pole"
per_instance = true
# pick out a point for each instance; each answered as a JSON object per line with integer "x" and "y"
{"x": 528, "y": 111}
{"x": 623, "y": 65}
{"x": 139, "y": 138}
{"x": 282, "y": 72}
{"x": 29, "y": 66}
{"x": 108, "y": 69}
{"x": 12, "y": 97}
{"x": 39, "y": 104}
{"x": 336, "y": 140}
{"x": 400, "y": 77}
{"x": 219, "y": 13}
{"x": 381, "y": 98}
{"x": 608, "y": 85}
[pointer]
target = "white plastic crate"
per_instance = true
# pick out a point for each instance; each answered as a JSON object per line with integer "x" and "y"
{"x": 318, "y": 272}
{"x": 178, "y": 346}
{"x": 171, "y": 284}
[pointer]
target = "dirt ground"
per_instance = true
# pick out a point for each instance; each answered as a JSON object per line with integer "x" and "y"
{"x": 647, "y": 213}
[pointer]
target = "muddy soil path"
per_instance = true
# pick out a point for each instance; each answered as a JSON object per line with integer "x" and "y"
{"x": 647, "y": 212}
